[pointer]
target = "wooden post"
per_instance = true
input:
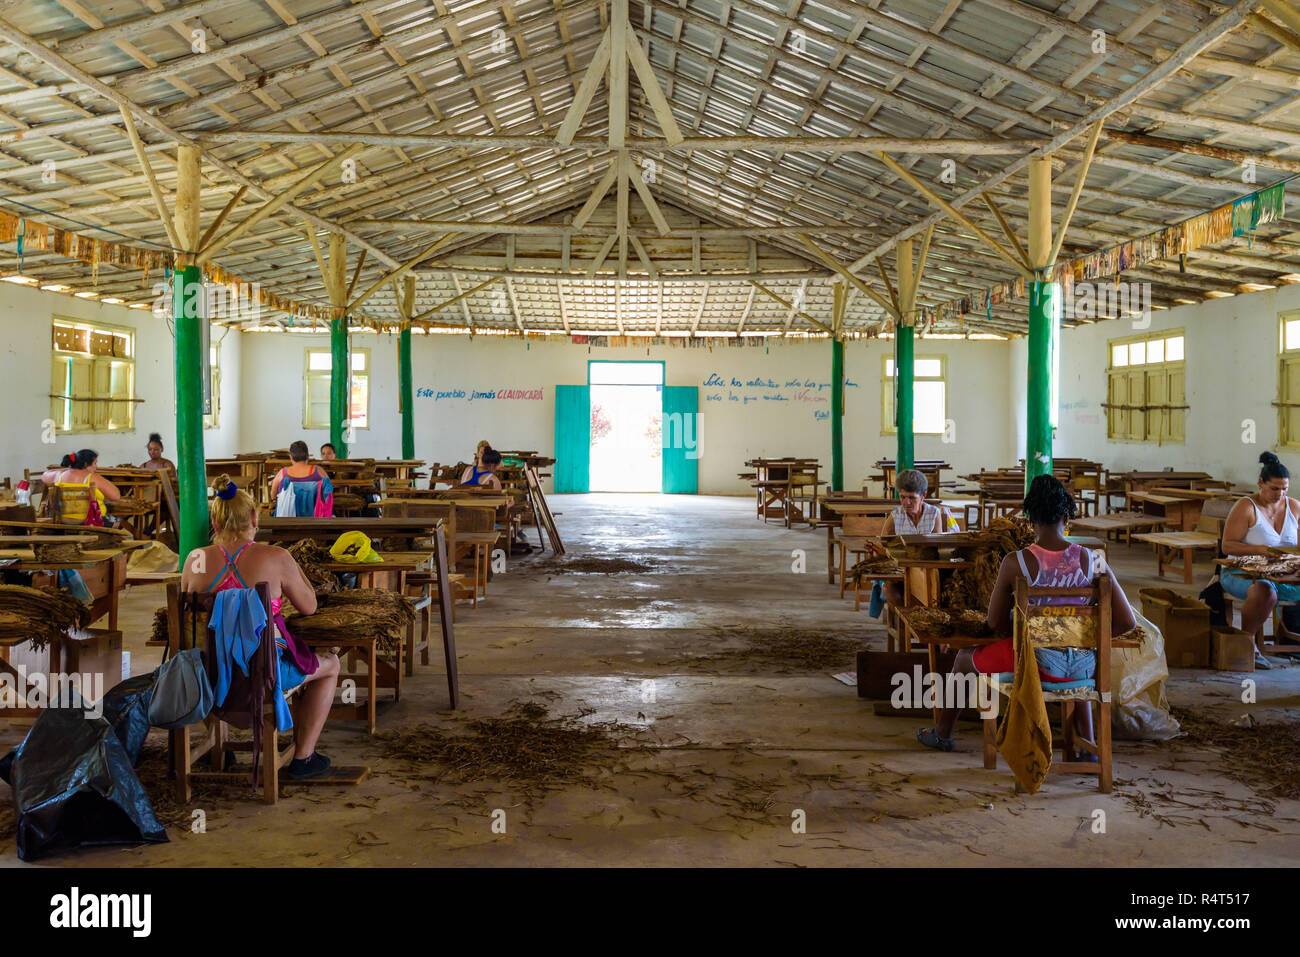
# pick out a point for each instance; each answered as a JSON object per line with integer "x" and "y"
{"x": 187, "y": 316}
{"x": 1044, "y": 325}
{"x": 340, "y": 361}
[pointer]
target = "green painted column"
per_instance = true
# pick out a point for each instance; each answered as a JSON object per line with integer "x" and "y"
{"x": 406, "y": 392}
{"x": 340, "y": 385}
{"x": 837, "y": 415}
{"x": 904, "y": 369}
{"x": 187, "y": 295}
{"x": 1040, "y": 392}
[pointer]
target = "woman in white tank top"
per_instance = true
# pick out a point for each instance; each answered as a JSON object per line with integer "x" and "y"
{"x": 1260, "y": 522}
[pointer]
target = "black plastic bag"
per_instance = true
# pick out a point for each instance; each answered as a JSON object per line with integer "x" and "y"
{"x": 74, "y": 784}
{"x": 126, "y": 707}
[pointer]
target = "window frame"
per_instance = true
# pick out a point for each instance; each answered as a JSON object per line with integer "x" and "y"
{"x": 1285, "y": 358}
{"x": 309, "y": 375}
{"x": 1155, "y": 377}
{"x": 93, "y": 363}
{"x": 887, "y": 392}
{"x": 213, "y": 419}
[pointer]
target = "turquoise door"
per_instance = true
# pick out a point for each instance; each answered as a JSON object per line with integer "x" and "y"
{"x": 682, "y": 439}
{"x": 572, "y": 438}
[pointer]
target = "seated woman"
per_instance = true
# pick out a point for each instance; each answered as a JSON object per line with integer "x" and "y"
{"x": 77, "y": 471}
{"x": 244, "y": 563}
{"x": 484, "y": 477}
{"x": 913, "y": 516}
{"x": 328, "y": 453}
{"x": 1257, "y": 524}
{"x": 302, "y": 490}
{"x": 156, "y": 460}
{"x": 1051, "y": 562}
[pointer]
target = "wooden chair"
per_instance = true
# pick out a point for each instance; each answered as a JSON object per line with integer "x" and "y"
{"x": 1066, "y": 626}
{"x": 187, "y": 617}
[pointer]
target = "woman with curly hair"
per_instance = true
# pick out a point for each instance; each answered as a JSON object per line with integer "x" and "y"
{"x": 1050, "y": 562}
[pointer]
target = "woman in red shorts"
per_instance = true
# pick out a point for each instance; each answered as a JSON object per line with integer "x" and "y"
{"x": 1051, "y": 562}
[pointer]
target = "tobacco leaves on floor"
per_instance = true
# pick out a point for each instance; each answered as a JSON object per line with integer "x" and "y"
{"x": 526, "y": 747}
{"x": 590, "y": 565}
{"x": 1265, "y": 757}
{"x": 779, "y": 650}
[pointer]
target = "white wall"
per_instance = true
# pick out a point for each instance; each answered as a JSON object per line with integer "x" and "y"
{"x": 26, "y": 317}
{"x": 1231, "y": 368}
{"x": 447, "y": 429}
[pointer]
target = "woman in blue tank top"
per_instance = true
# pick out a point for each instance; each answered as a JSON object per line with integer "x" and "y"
{"x": 484, "y": 477}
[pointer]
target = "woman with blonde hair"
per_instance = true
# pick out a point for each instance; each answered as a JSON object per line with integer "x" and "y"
{"x": 243, "y": 563}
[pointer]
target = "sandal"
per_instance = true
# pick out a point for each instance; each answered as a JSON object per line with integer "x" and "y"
{"x": 930, "y": 738}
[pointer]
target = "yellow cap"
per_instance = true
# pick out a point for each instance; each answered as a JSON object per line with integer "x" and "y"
{"x": 354, "y": 548}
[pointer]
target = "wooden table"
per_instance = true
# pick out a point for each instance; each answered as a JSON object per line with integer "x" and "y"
{"x": 103, "y": 571}
{"x": 1170, "y": 544}
{"x": 779, "y": 483}
{"x": 1180, "y": 512}
{"x": 1118, "y": 522}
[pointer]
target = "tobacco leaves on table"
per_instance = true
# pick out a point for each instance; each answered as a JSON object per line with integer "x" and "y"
{"x": 345, "y": 615}
{"x": 38, "y": 615}
{"x": 971, "y": 585}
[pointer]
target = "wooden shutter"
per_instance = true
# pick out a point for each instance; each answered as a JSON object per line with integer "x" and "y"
{"x": 1136, "y": 396}
{"x": 1177, "y": 396}
{"x": 1157, "y": 393}
{"x": 1290, "y": 389}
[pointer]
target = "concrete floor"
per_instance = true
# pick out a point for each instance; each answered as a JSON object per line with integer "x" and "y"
{"x": 736, "y": 750}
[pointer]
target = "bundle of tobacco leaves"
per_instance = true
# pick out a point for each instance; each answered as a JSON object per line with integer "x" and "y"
{"x": 971, "y": 585}
{"x": 57, "y": 551}
{"x": 873, "y": 566}
{"x": 38, "y": 615}
{"x": 312, "y": 558}
{"x": 348, "y": 501}
{"x": 354, "y": 613}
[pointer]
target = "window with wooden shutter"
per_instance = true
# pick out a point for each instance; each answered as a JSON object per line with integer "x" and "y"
{"x": 92, "y": 377}
{"x": 1145, "y": 388}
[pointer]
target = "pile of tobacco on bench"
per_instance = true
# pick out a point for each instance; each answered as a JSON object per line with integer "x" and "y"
{"x": 38, "y": 615}
{"x": 359, "y": 612}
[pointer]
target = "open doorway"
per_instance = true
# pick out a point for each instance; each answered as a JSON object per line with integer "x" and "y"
{"x": 626, "y": 426}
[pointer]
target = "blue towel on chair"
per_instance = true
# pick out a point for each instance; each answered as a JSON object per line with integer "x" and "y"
{"x": 237, "y": 621}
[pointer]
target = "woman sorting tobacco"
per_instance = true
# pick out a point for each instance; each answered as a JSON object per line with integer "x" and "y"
{"x": 1259, "y": 524}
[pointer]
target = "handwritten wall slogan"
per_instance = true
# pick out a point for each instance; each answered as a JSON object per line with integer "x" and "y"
{"x": 764, "y": 392}
{"x": 471, "y": 395}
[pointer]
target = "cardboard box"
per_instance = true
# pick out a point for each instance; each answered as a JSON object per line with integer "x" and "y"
{"x": 95, "y": 651}
{"x": 1185, "y": 624}
{"x": 1232, "y": 649}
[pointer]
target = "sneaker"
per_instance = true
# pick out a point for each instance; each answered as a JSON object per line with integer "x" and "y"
{"x": 930, "y": 738}
{"x": 1261, "y": 663}
{"x": 302, "y": 769}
